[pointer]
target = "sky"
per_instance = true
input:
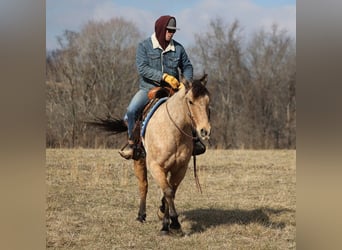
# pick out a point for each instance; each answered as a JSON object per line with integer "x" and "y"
{"x": 193, "y": 16}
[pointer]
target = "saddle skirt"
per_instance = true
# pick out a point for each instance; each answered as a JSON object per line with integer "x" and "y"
{"x": 149, "y": 114}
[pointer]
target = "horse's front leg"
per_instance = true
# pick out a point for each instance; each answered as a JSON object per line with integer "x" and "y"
{"x": 163, "y": 214}
{"x": 166, "y": 221}
{"x": 169, "y": 196}
{"x": 161, "y": 210}
{"x": 140, "y": 171}
{"x": 175, "y": 179}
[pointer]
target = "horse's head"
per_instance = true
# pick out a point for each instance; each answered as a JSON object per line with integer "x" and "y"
{"x": 197, "y": 99}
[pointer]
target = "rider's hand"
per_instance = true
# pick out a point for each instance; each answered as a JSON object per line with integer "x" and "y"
{"x": 171, "y": 80}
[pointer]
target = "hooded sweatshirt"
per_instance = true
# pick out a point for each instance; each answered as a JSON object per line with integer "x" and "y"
{"x": 160, "y": 30}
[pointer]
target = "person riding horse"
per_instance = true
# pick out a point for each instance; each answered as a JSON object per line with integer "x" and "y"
{"x": 158, "y": 60}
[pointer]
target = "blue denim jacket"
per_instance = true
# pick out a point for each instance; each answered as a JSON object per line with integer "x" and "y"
{"x": 152, "y": 62}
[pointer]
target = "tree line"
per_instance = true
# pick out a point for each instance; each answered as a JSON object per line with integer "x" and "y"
{"x": 252, "y": 83}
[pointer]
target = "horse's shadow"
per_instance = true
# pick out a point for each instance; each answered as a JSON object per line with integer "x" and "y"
{"x": 202, "y": 219}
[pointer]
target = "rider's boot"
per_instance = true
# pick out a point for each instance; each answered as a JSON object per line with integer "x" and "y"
{"x": 127, "y": 153}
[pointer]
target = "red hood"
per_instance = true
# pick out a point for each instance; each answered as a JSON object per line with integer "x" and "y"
{"x": 160, "y": 30}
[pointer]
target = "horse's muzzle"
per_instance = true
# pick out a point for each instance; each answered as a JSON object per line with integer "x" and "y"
{"x": 205, "y": 134}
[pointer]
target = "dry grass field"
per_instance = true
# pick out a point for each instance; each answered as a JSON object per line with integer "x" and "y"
{"x": 248, "y": 202}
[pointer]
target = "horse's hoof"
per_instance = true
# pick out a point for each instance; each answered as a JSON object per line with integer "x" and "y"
{"x": 164, "y": 232}
{"x": 141, "y": 218}
{"x": 176, "y": 232}
{"x": 175, "y": 227}
{"x": 165, "y": 229}
{"x": 160, "y": 214}
{"x": 175, "y": 223}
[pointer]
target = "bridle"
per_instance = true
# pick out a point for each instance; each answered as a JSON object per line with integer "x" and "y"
{"x": 193, "y": 136}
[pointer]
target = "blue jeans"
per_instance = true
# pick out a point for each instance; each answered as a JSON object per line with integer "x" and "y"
{"x": 134, "y": 110}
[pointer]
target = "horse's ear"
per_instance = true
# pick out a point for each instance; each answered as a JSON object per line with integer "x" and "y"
{"x": 204, "y": 79}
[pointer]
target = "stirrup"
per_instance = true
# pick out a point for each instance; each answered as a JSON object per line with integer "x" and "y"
{"x": 138, "y": 152}
{"x": 134, "y": 152}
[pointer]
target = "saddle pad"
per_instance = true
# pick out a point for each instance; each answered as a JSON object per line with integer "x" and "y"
{"x": 150, "y": 113}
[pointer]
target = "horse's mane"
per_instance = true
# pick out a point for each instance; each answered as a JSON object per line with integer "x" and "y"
{"x": 198, "y": 89}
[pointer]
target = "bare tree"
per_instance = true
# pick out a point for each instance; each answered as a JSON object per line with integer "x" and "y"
{"x": 98, "y": 66}
{"x": 271, "y": 58}
{"x": 253, "y": 85}
{"x": 220, "y": 53}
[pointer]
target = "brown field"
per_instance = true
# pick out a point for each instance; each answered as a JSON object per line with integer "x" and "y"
{"x": 248, "y": 202}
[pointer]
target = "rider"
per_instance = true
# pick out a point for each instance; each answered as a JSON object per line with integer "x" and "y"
{"x": 158, "y": 60}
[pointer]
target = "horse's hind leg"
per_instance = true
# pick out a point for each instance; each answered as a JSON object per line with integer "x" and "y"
{"x": 141, "y": 174}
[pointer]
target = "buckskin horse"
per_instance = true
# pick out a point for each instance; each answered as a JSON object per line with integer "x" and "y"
{"x": 168, "y": 143}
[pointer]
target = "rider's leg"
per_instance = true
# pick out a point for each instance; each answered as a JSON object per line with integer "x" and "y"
{"x": 134, "y": 109}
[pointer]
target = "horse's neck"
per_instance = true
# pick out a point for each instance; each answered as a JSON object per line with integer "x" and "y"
{"x": 177, "y": 107}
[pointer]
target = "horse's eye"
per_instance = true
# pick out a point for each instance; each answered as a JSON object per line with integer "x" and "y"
{"x": 190, "y": 102}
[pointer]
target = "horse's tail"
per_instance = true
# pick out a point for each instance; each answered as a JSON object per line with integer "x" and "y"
{"x": 111, "y": 125}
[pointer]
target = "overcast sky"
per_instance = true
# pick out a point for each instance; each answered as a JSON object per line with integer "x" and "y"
{"x": 193, "y": 16}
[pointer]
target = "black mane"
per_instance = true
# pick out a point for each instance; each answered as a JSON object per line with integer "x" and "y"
{"x": 198, "y": 89}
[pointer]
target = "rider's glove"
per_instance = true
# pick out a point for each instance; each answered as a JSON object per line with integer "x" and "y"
{"x": 171, "y": 80}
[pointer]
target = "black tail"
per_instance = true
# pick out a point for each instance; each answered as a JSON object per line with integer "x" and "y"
{"x": 111, "y": 125}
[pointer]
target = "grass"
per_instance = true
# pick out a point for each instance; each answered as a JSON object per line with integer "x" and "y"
{"x": 248, "y": 202}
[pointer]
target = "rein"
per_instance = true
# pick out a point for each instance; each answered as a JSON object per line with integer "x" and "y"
{"x": 198, "y": 185}
{"x": 174, "y": 123}
{"x": 193, "y": 137}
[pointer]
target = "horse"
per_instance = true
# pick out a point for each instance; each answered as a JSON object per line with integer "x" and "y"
{"x": 168, "y": 143}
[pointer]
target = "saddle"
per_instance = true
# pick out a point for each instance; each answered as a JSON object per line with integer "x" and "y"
{"x": 159, "y": 92}
{"x": 154, "y": 95}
